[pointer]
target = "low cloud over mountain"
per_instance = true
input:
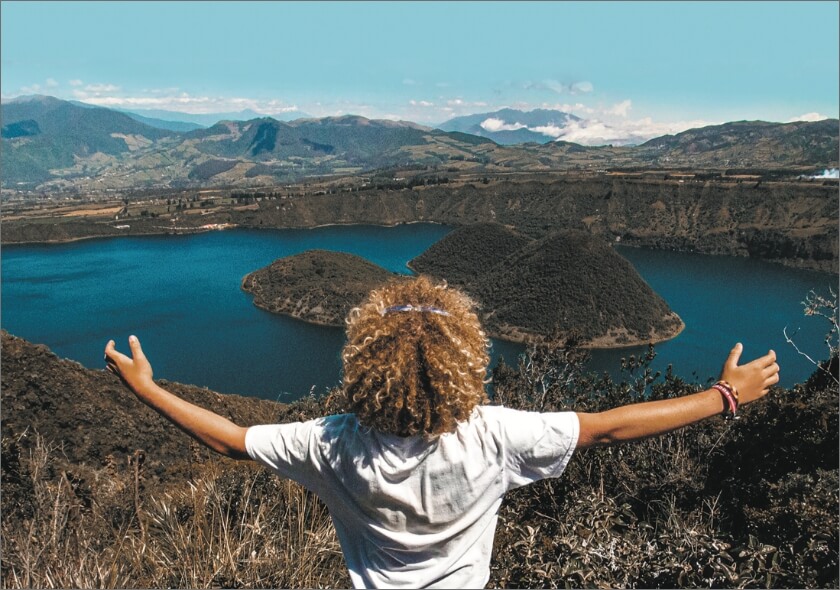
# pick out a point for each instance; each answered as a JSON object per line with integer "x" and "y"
{"x": 611, "y": 126}
{"x": 511, "y": 126}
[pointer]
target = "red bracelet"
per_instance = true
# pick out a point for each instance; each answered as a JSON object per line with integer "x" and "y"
{"x": 729, "y": 394}
{"x": 731, "y": 388}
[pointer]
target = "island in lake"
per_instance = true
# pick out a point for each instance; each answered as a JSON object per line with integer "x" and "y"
{"x": 527, "y": 289}
{"x": 317, "y": 286}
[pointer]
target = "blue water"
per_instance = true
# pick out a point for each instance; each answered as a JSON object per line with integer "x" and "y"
{"x": 181, "y": 296}
{"x": 724, "y": 300}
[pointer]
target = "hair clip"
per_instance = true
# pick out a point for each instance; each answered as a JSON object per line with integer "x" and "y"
{"x": 418, "y": 308}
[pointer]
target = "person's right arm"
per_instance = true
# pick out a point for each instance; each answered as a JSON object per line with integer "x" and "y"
{"x": 208, "y": 428}
{"x": 635, "y": 421}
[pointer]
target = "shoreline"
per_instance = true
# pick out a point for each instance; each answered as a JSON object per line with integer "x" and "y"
{"x": 800, "y": 264}
{"x": 526, "y": 339}
{"x": 198, "y": 230}
{"x": 60, "y": 241}
{"x": 253, "y": 296}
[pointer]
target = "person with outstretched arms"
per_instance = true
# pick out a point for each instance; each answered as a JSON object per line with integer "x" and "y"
{"x": 414, "y": 473}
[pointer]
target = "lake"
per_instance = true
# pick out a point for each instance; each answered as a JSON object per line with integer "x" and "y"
{"x": 181, "y": 296}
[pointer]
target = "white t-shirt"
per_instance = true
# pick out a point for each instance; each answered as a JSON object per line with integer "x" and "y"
{"x": 411, "y": 512}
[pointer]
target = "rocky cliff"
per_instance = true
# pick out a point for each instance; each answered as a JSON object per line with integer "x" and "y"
{"x": 790, "y": 223}
{"x": 793, "y": 223}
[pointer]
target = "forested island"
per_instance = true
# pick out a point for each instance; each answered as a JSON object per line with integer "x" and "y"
{"x": 565, "y": 283}
{"x": 316, "y": 286}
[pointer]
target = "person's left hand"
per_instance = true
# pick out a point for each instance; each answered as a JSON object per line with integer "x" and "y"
{"x": 754, "y": 379}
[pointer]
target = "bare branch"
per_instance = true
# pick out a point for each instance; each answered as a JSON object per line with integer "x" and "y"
{"x": 790, "y": 341}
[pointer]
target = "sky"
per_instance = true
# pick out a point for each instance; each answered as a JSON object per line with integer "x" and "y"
{"x": 628, "y": 69}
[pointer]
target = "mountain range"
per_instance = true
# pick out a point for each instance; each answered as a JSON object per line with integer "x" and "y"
{"x": 51, "y": 144}
{"x": 197, "y": 121}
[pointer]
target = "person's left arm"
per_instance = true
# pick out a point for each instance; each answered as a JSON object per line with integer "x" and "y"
{"x": 635, "y": 421}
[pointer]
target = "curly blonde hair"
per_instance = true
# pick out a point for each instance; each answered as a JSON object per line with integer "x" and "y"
{"x": 415, "y": 360}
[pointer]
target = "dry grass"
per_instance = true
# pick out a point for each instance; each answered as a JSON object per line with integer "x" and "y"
{"x": 747, "y": 503}
{"x": 234, "y": 526}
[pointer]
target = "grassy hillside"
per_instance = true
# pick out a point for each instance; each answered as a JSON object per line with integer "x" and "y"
{"x": 573, "y": 281}
{"x": 744, "y": 144}
{"x": 98, "y": 491}
{"x": 58, "y": 132}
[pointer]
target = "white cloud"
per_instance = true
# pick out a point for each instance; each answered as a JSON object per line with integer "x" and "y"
{"x": 101, "y": 88}
{"x": 148, "y": 102}
{"x": 596, "y": 131}
{"x": 549, "y": 130}
{"x": 49, "y": 85}
{"x": 459, "y": 102}
{"x": 577, "y": 108}
{"x": 557, "y": 87}
{"x": 620, "y": 109}
{"x": 445, "y": 108}
{"x": 421, "y": 103}
{"x": 289, "y": 109}
{"x": 597, "y": 125}
{"x": 809, "y": 117}
{"x": 186, "y": 103}
{"x": 581, "y": 87}
{"x": 75, "y": 82}
{"x": 623, "y": 132}
{"x": 170, "y": 90}
{"x": 493, "y": 125}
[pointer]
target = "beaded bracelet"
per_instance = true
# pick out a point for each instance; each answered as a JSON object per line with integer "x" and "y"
{"x": 730, "y": 395}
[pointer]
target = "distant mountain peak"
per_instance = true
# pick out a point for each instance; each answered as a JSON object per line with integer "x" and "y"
{"x": 511, "y": 126}
{"x": 33, "y": 98}
{"x": 358, "y": 120}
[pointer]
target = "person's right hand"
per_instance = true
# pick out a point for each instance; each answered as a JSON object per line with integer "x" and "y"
{"x": 752, "y": 380}
{"x": 134, "y": 372}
